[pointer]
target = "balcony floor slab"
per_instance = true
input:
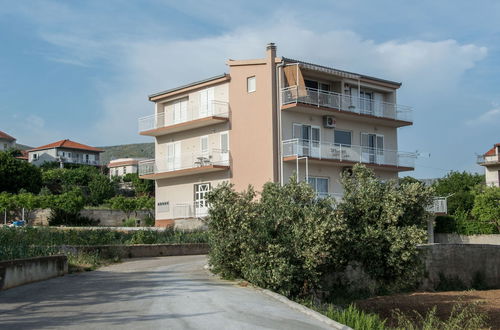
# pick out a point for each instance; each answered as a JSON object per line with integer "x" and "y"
{"x": 185, "y": 172}
{"x": 192, "y": 124}
{"x": 336, "y": 162}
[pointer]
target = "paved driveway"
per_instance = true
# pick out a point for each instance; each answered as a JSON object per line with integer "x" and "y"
{"x": 153, "y": 293}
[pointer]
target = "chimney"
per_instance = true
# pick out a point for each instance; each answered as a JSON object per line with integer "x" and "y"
{"x": 271, "y": 50}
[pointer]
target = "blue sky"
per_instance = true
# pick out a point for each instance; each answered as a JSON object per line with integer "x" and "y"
{"x": 83, "y": 69}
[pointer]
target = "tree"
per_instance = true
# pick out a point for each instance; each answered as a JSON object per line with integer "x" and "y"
{"x": 141, "y": 187}
{"x": 124, "y": 204}
{"x": 487, "y": 206}
{"x": 460, "y": 186}
{"x": 101, "y": 188}
{"x": 27, "y": 201}
{"x": 16, "y": 174}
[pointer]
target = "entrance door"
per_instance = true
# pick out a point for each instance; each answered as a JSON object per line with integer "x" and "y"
{"x": 224, "y": 147}
{"x": 173, "y": 156}
{"x": 366, "y": 102}
{"x": 200, "y": 199}
{"x": 372, "y": 148}
{"x": 207, "y": 102}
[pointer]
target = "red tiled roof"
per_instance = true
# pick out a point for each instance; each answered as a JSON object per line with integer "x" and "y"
{"x": 24, "y": 155}
{"x": 67, "y": 144}
{"x": 492, "y": 151}
{"x": 6, "y": 136}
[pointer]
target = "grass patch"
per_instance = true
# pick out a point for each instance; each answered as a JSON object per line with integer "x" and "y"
{"x": 84, "y": 262}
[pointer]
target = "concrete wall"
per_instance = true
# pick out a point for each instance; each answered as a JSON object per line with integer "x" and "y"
{"x": 142, "y": 250}
{"x": 107, "y": 217}
{"x": 463, "y": 261}
{"x": 466, "y": 239}
{"x": 22, "y": 271}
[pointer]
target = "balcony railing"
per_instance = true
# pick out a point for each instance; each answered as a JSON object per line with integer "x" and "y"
{"x": 164, "y": 119}
{"x": 494, "y": 159}
{"x": 347, "y": 153}
{"x": 188, "y": 161}
{"x": 70, "y": 160}
{"x": 354, "y": 104}
{"x": 188, "y": 210}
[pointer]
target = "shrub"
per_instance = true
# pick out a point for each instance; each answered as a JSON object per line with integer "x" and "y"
{"x": 461, "y": 185}
{"x": 288, "y": 239}
{"x": 101, "y": 188}
{"x": 130, "y": 222}
{"x": 487, "y": 206}
{"x": 446, "y": 224}
{"x": 18, "y": 174}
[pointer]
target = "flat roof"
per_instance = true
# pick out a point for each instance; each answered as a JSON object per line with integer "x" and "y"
{"x": 188, "y": 85}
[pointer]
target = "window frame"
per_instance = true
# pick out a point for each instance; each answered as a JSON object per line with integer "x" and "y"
{"x": 254, "y": 79}
{"x": 342, "y": 130}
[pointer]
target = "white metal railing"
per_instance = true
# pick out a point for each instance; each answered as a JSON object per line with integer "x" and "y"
{"x": 171, "y": 117}
{"x": 355, "y": 104}
{"x": 348, "y": 153}
{"x": 494, "y": 159}
{"x": 188, "y": 210}
{"x": 191, "y": 160}
{"x": 438, "y": 206}
{"x": 336, "y": 196}
{"x": 493, "y": 183}
{"x": 71, "y": 160}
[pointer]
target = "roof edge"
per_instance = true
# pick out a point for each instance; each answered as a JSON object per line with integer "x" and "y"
{"x": 224, "y": 75}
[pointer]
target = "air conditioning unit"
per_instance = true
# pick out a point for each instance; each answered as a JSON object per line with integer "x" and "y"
{"x": 329, "y": 121}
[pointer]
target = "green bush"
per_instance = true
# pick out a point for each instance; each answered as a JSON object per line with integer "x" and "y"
{"x": 487, "y": 206}
{"x": 289, "y": 238}
{"x": 446, "y": 224}
{"x": 130, "y": 222}
{"x": 460, "y": 185}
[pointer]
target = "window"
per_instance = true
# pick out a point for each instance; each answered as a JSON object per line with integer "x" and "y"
{"x": 319, "y": 185}
{"x": 204, "y": 144}
{"x": 200, "y": 198}
{"x": 5, "y": 146}
{"x": 251, "y": 84}
{"x": 116, "y": 172}
{"x": 124, "y": 170}
{"x": 342, "y": 137}
{"x": 35, "y": 156}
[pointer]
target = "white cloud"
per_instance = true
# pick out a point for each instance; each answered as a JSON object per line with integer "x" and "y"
{"x": 491, "y": 117}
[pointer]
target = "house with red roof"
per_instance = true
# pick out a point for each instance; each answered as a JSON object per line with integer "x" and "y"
{"x": 6, "y": 141}
{"x": 65, "y": 152}
{"x": 491, "y": 162}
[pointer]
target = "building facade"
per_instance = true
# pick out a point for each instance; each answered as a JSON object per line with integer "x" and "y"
{"x": 6, "y": 141}
{"x": 65, "y": 152}
{"x": 266, "y": 120}
{"x": 122, "y": 166}
{"x": 491, "y": 162}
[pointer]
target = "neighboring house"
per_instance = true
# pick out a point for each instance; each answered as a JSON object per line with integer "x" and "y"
{"x": 65, "y": 152}
{"x": 264, "y": 121}
{"x": 120, "y": 167}
{"x": 6, "y": 141}
{"x": 491, "y": 162}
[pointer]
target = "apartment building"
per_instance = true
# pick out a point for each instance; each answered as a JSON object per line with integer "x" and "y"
{"x": 265, "y": 120}
{"x": 123, "y": 166}
{"x": 65, "y": 152}
{"x": 6, "y": 141}
{"x": 491, "y": 162}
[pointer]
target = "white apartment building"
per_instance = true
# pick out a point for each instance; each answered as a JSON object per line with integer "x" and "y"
{"x": 122, "y": 166}
{"x": 491, "y": 162}
{"x": 65, "y": 152}
{"x": 264, "y": 121}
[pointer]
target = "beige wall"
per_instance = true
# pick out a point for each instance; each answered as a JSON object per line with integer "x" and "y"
{"x": 492, "y": 175}
{"x": 122, "y": 170}
{"x": 253, "y": 140}
{"x": 181, "y": 190}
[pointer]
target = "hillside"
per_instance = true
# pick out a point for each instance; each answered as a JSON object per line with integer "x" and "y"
{"x": 143, "y": 150}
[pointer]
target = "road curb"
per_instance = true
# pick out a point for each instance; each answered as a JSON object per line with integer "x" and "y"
{"x": 304, "y": 309}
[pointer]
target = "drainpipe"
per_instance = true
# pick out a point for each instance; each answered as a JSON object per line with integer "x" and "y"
{"x": 280, "y": 133}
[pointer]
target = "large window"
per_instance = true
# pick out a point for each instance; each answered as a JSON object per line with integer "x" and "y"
{"x": 251, "y": 84}
{"x": 319, "y": 185}
{"x": 343, "y": 137}
{"x": 201, "y": 191}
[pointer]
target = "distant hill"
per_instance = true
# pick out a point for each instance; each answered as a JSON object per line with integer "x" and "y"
{"x": 22, "y": 147}
{"x": 142, "y": 150}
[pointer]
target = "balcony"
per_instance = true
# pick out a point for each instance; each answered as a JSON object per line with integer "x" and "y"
{"x": 348, "y": 154}
{"x": 488, "y": 160}
{"x": 188, "y": 211}
{"x": 79, "y": 161}
{"x": 400, "y": 115}
{"x": 176, "y": 121}
{"x": 214, "y": 160}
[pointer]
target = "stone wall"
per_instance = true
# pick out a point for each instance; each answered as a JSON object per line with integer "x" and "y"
{"x": 109, "y": 218}
{"x": 463, "y": 261}
{"x": 22, "y": 271}
{"x": 466, "y": 239}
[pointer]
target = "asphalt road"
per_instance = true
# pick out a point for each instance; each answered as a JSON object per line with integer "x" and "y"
{"x": 153, "y": 293}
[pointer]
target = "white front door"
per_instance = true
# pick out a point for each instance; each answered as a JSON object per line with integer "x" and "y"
{"x": 372, "y": 148}
{"x": 207, "y": 102}
{"x": 173, "y": 156}
{"x": 200, "y": 199}
{"x": 224, "y": 147}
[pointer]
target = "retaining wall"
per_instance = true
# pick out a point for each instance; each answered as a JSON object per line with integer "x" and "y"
{"x": 141, "y": 250}
{"x": 466, "y": 239}
{"x": 22, "y": 271}
{"x": 463, "y": 261}
{"x": 106, "y": 217}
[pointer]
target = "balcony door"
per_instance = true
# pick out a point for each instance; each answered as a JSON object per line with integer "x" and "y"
{"x": 224, "y": 147}
{"x": 372, "y": 148}
{"x": 200, "y": 199}
{"x": 173, "y": 156}
{"x": 180, "y": 111}
{"x": 207, "y": 102}
{"x": 309, "y": 141}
